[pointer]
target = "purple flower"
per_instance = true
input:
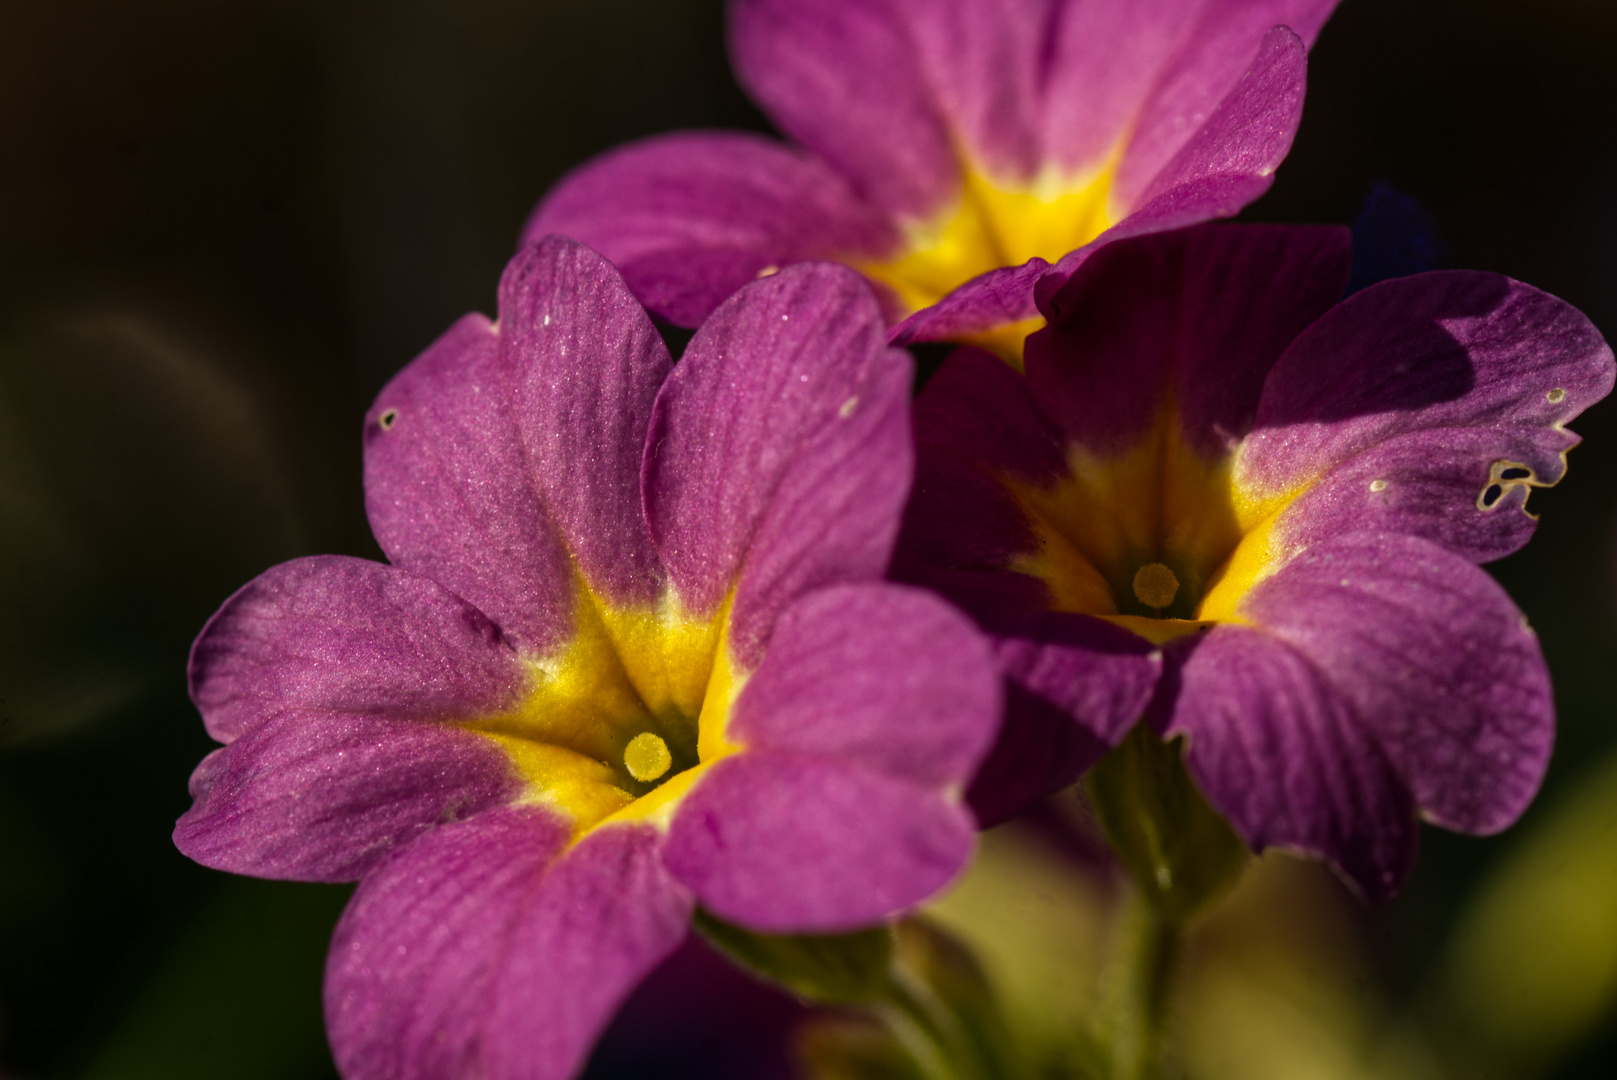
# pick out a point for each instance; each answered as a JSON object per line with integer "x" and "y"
{"x": 632, "y": 654}
{"x": 1221, "y": 499}
{"x": 949, "y": 148}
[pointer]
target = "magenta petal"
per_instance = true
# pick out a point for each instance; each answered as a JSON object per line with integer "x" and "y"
{"x": 413, "y": 963}
{"x": 1228, "y": 163}
{"x": 585, "y": 364}
{"x": 787, "y": 844}
{"x": 1076, "y": 685}
{"x": 779, "y": 455}
{"x": 449, "y": 494}
{"x": 844, "y": 79}
{"x": 987, "y": 301}
{"x": 335, "y": 634}
{"x": 1452, "y": 349}
{"x": 604, "y": 917}
{"x": 1251, "y": 106}
{"x": 1435, "y": 660}
{"x": 1280, "y": 752}
{"x": 690, "y": 218}
{"x": 885, "y": 677}
{"x": 975, "y": 423}
{"x": 315, "y": 797}
{"x": 1202, "y": 313}
{"x": 1438, "y": 485}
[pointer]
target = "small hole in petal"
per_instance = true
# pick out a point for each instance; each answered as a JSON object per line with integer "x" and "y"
{"x": 1515, "y": 473}
{"x": 388, "y": 419}
{"x": 1491, "y": 495}
{"x": 1378, "y": 485}
{"x": 1556, "y": 396}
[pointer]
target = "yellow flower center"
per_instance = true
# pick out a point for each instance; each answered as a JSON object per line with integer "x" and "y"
{"x": 993, "y": 226}
{"x": 1159, "y": 539}
{"x": 622, "y": 720}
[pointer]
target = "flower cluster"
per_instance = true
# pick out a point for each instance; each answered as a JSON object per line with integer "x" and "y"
{"x": 755, "y": 633}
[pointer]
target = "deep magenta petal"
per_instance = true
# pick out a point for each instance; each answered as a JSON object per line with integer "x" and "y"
{"x": 414, "y": 961}
{"x": 846, "y": 80}
{"x": 1436, "y": 662}
{"x": 606, "y": 914}
{"x": 1280, "y": 752}
{"x": 779, "y": 455}
{"x": 689, "y": 218}
{"x": 321, "y": 797}
{"x": 1199, "y": 315}
{"x": 788, "y": 844}
{"x": 335, "y": 634}
{"x": 449, "y": 493}
{"x": 1075, "y": 686}
{"x": 585, "y": 363}
{"x": 1450, "y": 349}
{"x": 879, "y": 676}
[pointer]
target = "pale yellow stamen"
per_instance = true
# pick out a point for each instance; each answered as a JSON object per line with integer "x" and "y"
{"x": 1155, "y": 585}
{"x": 647, "y": 757}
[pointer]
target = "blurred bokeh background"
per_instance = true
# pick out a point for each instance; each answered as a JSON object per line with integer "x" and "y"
{"x": 225, "y": 223}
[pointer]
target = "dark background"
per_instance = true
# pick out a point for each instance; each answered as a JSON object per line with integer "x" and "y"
{"x": 223, "y": 225}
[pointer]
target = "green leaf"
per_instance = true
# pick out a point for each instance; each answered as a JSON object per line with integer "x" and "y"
{"x": 833, "y": 969}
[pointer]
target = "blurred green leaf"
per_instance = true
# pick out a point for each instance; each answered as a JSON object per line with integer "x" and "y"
{"x": 834, "y": 969}
{"x": 1532, "y": 966}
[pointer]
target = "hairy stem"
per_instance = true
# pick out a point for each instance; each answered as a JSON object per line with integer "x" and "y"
{"x": 1139, "y": 989}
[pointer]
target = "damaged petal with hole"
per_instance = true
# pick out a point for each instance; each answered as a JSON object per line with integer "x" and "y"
{"x": 1209, "y": 450}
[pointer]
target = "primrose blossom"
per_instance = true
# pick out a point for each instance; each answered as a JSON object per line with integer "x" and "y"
{"x": 951, "y": 150}
{"x": 1221, "y": 500}
{"x": 633, "y": 653}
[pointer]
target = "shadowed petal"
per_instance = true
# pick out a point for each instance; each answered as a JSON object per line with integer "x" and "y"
{"x": 1280, "y": 753}
{"x": 319, "y": 797}
{"x": 788, "y": 844}
{"x": 448, "y": 491}
{"x": 411, "y": 973}
{"x": 975, "y": 424}
{"x": 1450, "y": 349}
{"x": 606, "y": 914}
{"x": 585, "y": 363}
{"x": 1434, "y": 659}
{"x": 845, "y": 80}
{"x": 1075, "y": 686}
{"x": 1196, "y": 317}
{"x": 885, "y": 677}
{"x": 779, "y": 454}
{"x": 335, "y": 634}
{"x": 689, "y": 218}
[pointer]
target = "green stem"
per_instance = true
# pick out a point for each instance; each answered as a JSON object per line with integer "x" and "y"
{"x": 1141, "y": 985}
{"x": 925, "y": 1031}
